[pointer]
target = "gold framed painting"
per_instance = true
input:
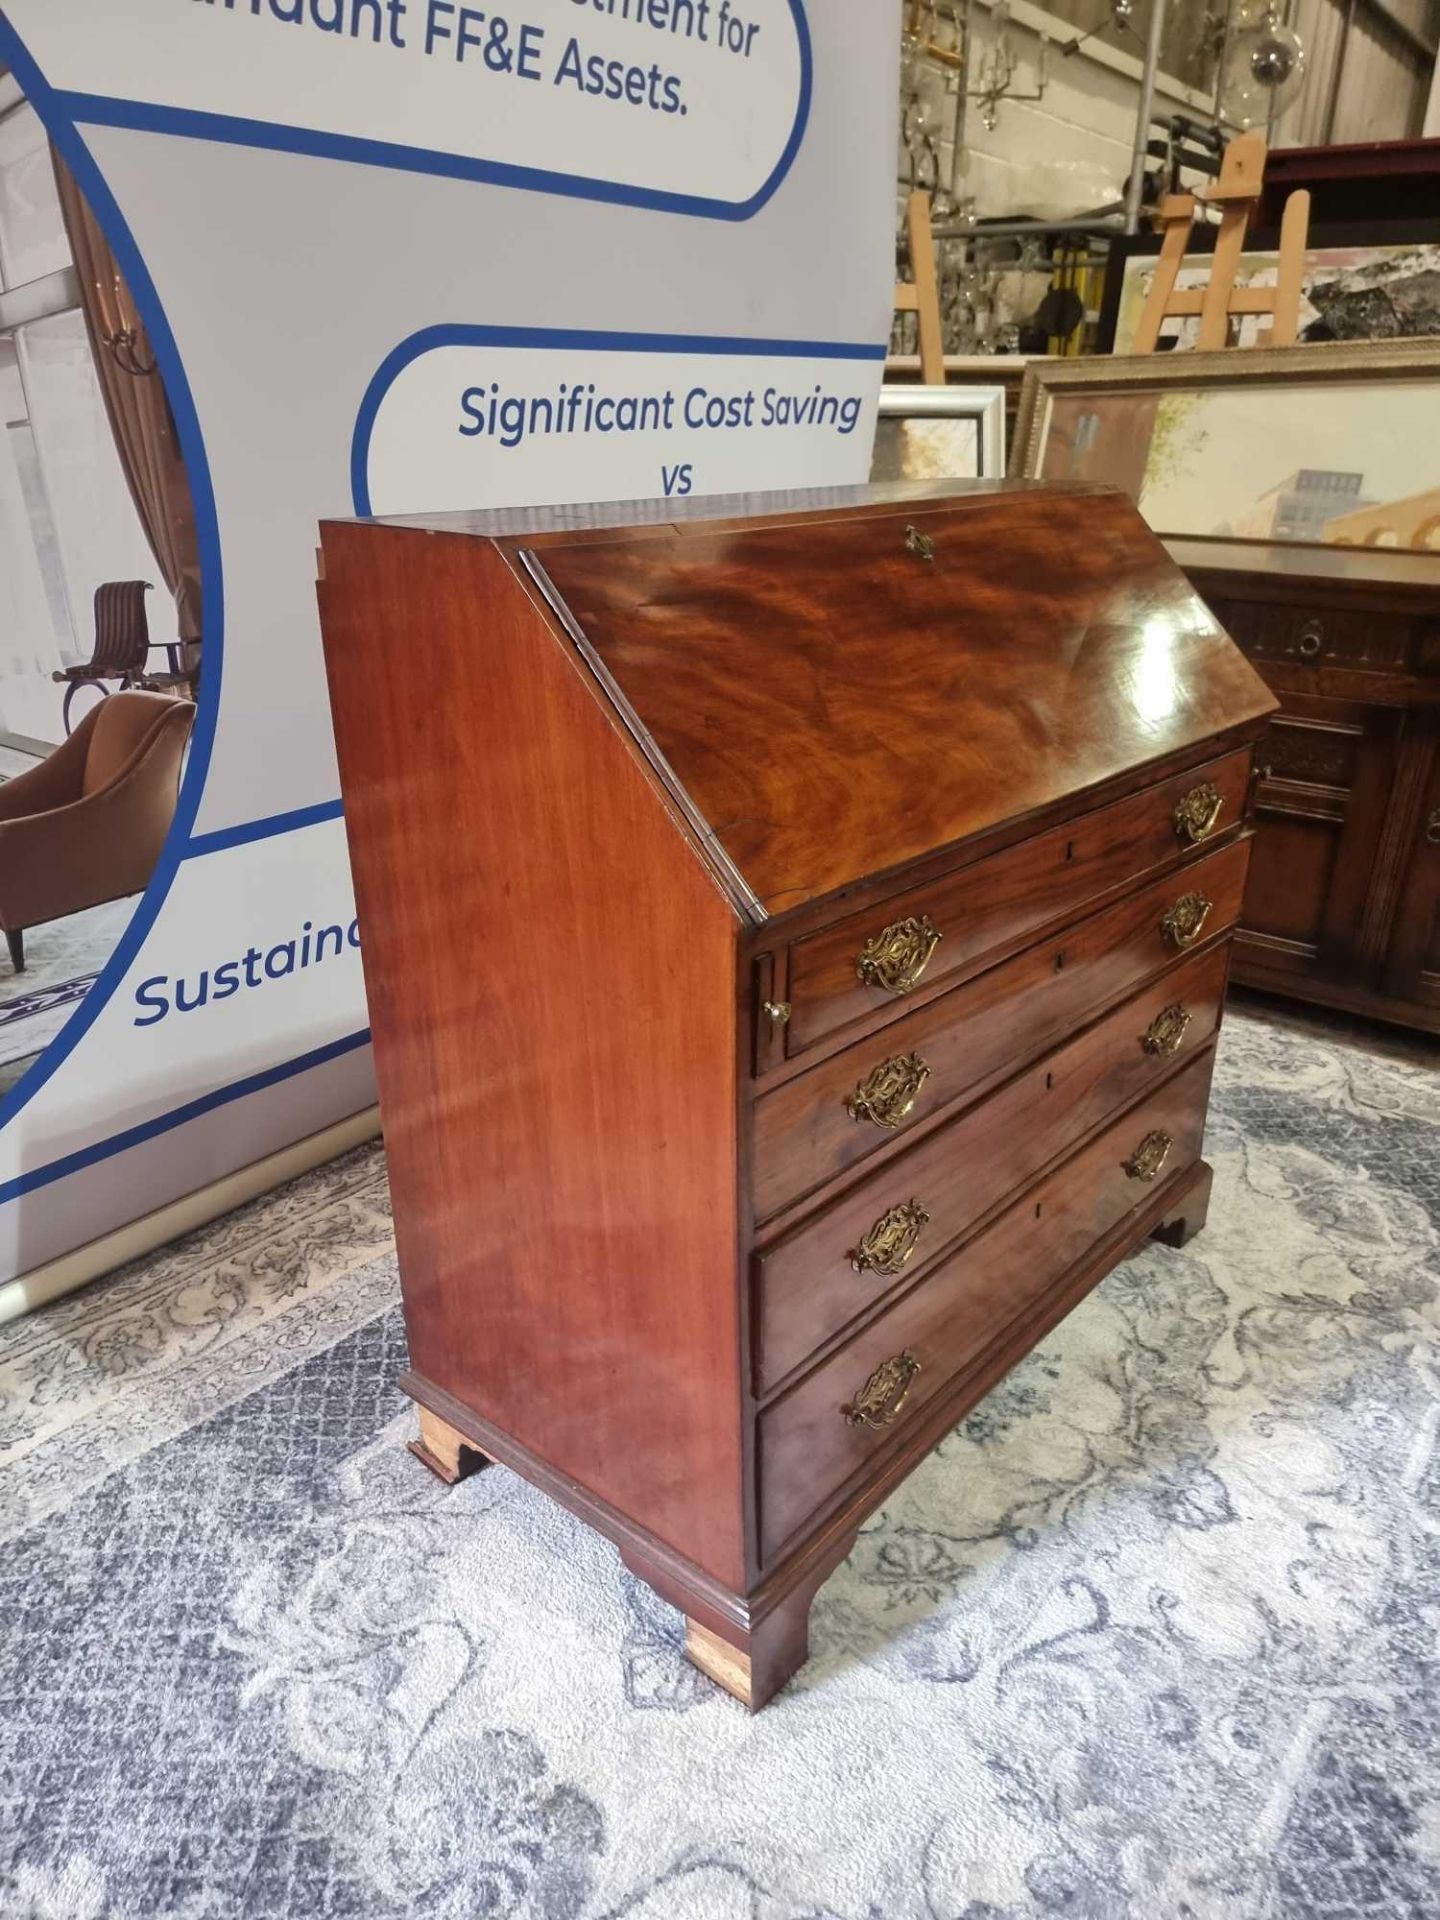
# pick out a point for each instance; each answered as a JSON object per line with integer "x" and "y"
{"x": 1335, "y": 445}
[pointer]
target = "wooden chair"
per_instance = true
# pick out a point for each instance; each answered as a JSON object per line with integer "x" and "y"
{"x": 122, "y": 643}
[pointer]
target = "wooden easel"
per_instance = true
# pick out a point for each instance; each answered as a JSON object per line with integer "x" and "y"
{"x": 921, "y": 296}
{"x": 1242, "y": 173}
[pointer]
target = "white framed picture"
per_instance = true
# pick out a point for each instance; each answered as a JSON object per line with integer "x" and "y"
{"x": 939, "y": 433}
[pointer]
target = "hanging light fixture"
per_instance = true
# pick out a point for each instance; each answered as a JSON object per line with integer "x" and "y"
{"x": 1264, "y": 64}
{"x": 999, "y": 65}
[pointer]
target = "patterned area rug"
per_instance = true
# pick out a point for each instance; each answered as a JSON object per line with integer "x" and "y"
{"x": 62, "y": 952}
{"x": 1153, "y": 1634}
{"x": 157, "y": 1347}
{"x": 30, "y": 1021}
{"x": 62, "y": 958}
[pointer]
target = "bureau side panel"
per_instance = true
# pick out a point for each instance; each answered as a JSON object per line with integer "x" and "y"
{"x": 550, "y": 973}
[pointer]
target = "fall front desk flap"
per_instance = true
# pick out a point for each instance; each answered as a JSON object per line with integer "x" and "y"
{"x": 838, "y": 695}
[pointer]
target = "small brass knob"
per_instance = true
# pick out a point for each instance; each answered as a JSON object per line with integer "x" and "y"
{"x": 778, "y": 1010}
{"x": 920, "y": 544}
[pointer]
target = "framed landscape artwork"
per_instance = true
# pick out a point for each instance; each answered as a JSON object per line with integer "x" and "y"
{"x": 1367, "y": 291}
{"x": 1336, "y": 444}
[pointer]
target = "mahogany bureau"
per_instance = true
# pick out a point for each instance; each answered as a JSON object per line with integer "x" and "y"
{"x": 795, "y": 942}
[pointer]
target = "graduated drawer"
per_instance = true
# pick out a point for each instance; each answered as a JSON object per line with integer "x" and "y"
{"x": 839, "y": 1419}
{"x": 888, "y": 1228}
{"x": 873, "y": 959}
{"x": 806, "y": 1133}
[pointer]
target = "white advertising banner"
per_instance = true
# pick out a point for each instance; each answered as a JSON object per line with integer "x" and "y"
{"x": 401, "y": 256}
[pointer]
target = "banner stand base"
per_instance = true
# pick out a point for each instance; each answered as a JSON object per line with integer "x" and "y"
{"x": 76, "y": 1269}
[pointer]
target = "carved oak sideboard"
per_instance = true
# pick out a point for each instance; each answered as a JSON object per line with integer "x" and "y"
{"x": 795, "y": 942}
{"x": 1343, "y": 904}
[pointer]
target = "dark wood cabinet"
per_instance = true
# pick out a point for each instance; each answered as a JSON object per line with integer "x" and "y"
{"x": 1343, "y": 901}
{"x": 1326, "y": 769}
{"x": 795, "y": 943}
{"x": 1412, "y": 958}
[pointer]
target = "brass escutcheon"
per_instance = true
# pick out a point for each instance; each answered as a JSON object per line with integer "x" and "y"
{"x": 879, "y": 1401}
{"x": 1183, "y": 924}
{"x": 888, "y": 1093}
{"x": 919, "y": 543}
{"x": 895, "y": 958}
{"x": 890, "y": 1242}
{"x": 1166, "y": 1031}
{"x": 1150, "y": 1156}
{"x": 1198, "y": 814}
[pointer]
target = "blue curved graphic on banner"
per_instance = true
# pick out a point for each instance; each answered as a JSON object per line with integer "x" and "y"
{"x": 76, "y": 155}
{"x": 103, "y": 110}
{"x": 564, "y": 340}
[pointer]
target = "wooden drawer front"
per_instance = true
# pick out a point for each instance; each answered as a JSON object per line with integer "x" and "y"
{"x": 1306, "y": 752}
{"x": 808, "y": 1285}
{"x": 805, "y": 1133}
{"x": 997, "y": 901}
{"x": 811, "y": 1443}
{"x": 1315, "y": 635}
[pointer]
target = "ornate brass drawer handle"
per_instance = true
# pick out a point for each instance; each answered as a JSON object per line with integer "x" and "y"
{"x": 1198, "y": 814}
{"x": 888, "y": 1093}
{"x": 778, "y": 1010}
{"x": 879, "y": 1401}
{"x": 1150, "y": 1156}
{"x": 890, "y": 1242}
{"x": 1183, "y": 924}
{"x": 920, "y": 544}
{"x": 897, "y": 956}
{"x": 1166, "y": 1031}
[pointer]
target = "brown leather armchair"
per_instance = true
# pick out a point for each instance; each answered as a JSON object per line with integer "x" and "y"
{"x": 87, "y": 824}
